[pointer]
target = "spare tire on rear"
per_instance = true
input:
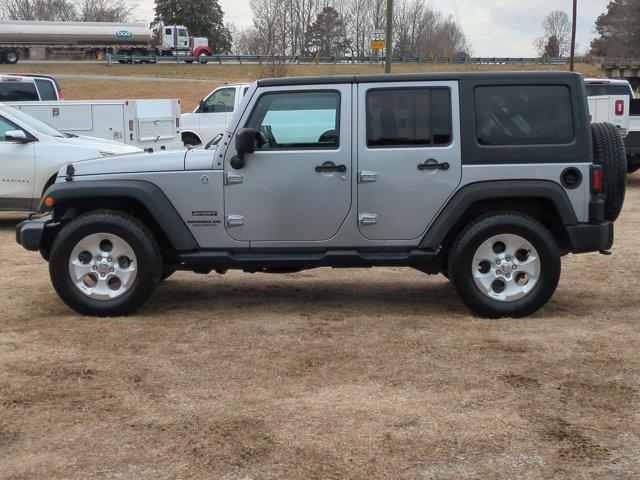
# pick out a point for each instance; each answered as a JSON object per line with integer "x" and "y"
{"x": 609, "y": 153}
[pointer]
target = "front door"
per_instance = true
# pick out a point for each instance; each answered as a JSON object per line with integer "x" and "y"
{"x": 297, "y": 184}
{"x": 408, "y": 156}
{"x": 17, "y": 170}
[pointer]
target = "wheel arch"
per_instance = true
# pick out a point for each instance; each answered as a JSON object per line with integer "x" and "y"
{"x": 198, "y": 50}
{"x": 141, "y": 198}
{"x": 543, "y": 200}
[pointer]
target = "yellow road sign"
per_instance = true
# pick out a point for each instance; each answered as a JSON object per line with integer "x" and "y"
{"x": 377, "y": 44}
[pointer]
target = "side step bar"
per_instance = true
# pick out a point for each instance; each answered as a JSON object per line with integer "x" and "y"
{"x": 255, "y": 262}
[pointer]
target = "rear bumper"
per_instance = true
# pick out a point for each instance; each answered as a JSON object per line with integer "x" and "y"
{"x": 590, "y": 237}
{"x": 30, "y": 232}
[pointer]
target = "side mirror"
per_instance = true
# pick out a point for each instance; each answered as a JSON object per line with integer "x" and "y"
{"x": 245, "y": 143}
{"x": 17, "y": 136}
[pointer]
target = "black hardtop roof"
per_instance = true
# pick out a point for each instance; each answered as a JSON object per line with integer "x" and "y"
{"x": 416, "y": 77}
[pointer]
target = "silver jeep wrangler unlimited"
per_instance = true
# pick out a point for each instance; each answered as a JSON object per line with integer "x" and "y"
{"x": 487, "y": 178}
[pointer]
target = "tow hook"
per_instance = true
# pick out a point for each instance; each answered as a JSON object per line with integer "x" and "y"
{"x": 605, "y": 252}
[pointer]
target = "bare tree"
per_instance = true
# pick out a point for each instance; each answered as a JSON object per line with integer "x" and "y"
{"x": 555, "y": 24}
{"x": 67, "y": 10}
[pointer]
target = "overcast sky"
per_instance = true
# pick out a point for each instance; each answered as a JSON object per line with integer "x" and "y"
{"x": 497, "y": 28}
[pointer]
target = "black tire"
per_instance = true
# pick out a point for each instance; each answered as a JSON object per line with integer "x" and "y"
{"x": 202, "y": 58}
{"x": 11, "y": 57}
{"x": 471, "y": 238}
{"x": 609, "y": 152}
{"x": 128, "y": 228}
{"x": 189, "y": 61}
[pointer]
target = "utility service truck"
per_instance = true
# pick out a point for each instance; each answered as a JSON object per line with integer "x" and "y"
{"x": 152, "y": 125}
{"x": 91, "y": 38}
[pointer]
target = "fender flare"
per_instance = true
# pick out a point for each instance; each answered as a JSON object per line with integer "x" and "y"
{"x": 198, "y": 50}
{"x": 470, "y": 194}
{"x": 146, "y": 193}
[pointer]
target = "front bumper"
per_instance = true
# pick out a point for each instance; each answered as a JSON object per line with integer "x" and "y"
{"x": 30, "y": 232}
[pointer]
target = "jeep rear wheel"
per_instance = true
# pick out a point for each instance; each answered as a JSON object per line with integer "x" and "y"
{"x": 105, "y": 263}
{"x": 609, "y": 153}
{"x": 505, "y": 265}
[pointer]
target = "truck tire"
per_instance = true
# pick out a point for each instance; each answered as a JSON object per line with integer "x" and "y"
{"x": 202, "y": 58}
{"x": 609, "y": 153}
{"x": 11, "y": 57}
{"x": 105, "y": 263}
{"x": 504, "y": 265}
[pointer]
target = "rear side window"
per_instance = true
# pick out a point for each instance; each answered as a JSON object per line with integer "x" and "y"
{"x": 47, "y": 89}
{"x": 600, "y": 89}
{"x": 523, "y": 115}
{"x": 409, "y": 117}
{"x": 18, "y": 92}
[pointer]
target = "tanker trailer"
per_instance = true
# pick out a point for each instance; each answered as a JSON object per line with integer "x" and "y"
{"x": 93, "y": 37}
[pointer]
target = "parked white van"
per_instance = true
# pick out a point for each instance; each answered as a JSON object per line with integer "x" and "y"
{"x": 32, "y": 153}
{"x": 212, "y": 115}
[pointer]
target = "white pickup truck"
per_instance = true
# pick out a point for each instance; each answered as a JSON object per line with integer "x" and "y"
{"x": 212, "y": 114}
{"x": 613, "y": 101}
{"x": 151, "y": 125}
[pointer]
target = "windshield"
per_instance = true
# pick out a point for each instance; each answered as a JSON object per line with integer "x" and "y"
{"x": 31, "y": 122}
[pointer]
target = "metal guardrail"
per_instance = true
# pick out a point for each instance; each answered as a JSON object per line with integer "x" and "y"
{"x": 112, "y": 59}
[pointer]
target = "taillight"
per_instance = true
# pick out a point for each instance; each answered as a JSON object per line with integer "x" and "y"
{"x": 131, "y": 125}
{"x": 619, "y": 108}
{"x": 60, "y": 95}
{"x": 596, "y": 178}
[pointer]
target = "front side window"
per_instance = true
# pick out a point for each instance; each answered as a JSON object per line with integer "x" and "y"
{"x": 182, "y": 32}
{"x": 221, "y": 100}
{"x": 5, "y": 126}
{"x": 18, "y": 92}
{"x": 524, "y": 115}
{"x": 47, "y": 89}
{"x": 409, "y": 117}
{"x": 297, "y": 120}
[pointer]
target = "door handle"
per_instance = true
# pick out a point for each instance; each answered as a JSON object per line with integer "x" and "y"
{"x": 331, "y": 167}
{"x": 432, "y": 164}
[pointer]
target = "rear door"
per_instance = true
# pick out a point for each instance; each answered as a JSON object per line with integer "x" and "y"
{"x": 408, "y": 156}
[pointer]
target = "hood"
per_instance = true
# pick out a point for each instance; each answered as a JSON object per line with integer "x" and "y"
{"x": 167, "y": 161}
{"x": 100, "y": 144}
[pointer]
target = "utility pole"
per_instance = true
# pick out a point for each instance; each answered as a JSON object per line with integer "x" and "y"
{"x": 573, "y": 37}
{"x": 388, "y": 39}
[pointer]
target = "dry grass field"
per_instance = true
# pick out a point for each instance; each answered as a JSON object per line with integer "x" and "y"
{"x": 325, "y": 374}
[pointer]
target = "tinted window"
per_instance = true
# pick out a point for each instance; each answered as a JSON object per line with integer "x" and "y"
{"x": 523, "y": 115}
{"x": 221, "y": 100}
{"x": 5, "y": 126}
{"x": 297, "y": 120}
{"x": 167, "y": 31}
{"x": 600, "y": 89}
{"x": 47, "y": 89}
{"x": 18, "y": 92}
{"x": 408, "y": 117}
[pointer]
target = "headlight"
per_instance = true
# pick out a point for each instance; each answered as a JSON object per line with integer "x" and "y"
{"x": 107, "y": 154}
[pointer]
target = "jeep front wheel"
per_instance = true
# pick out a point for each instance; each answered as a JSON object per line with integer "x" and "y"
{"x": 505, "y": 265}
{"x": 105, "y": 263}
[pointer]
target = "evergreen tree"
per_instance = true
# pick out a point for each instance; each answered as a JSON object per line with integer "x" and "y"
{"x": 327, "y": 34}
{"x": 203, "y": 18}
{"x": 618, "y": 30}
